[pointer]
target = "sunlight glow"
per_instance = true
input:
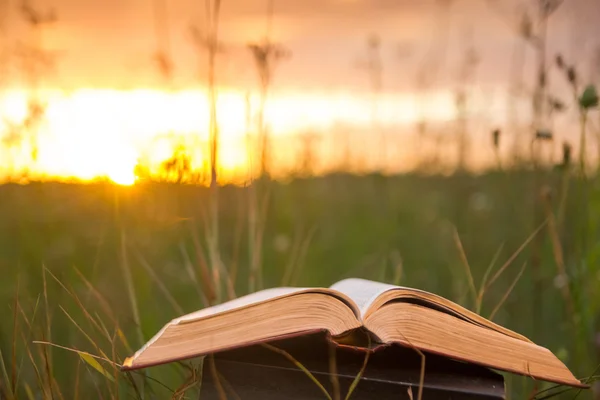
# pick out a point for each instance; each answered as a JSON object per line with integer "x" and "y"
{"x": 95, "y": 133}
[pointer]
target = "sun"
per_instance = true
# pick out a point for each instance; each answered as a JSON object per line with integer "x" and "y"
{"x": 123, "y": 178}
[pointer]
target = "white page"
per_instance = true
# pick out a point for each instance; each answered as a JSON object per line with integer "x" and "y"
{"x": 362, "y": 291}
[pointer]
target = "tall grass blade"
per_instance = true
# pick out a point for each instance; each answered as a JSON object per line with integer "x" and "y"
{"x": 13, "y": 377}
{"x": 115, "y": 370}
{"x": 123, "y": 340}
{"x": 488, "y": 270}
{"x": 192, "y": 274}
{"x": 262, "y": 224}
{"x": 130, "y": 289}
{"x": 465, "y": 262}
{"x": 515, "y": 254}
{"x": 508, "y": 292}
{"x": 258, "y": 213}
{"x": 422, "y": 373}
{"x": 49, "y": 380}
{"x": 95, "y": 383}
{"x": 35, "y": 368}
{"x": 302, "y": 255}
{"x": 159, "y": 283}
{"x": 80, "y": 305}
{"x": 228, "y": 386}
{"x": 333, "y": 374}
{"x": 237, "y": 245}
{"x": 98, "y": 296}
{"x": 300, "y": 366}
{"x": 194, "y": 380}
{"x": 135, "y": 386}
{"x": 103, "y": 358}
{"x": 358, "y": 376}
{"x": 48, "y": 335}
{"x": 132, "y": 298}
{"x": 398, "y": 266}
{"x": 28, "y": 391}
{"x": 26, "y": 339}
{"x": 215, "y": 376}
{"x": 91, "y": 361}
{"x": 76, "y": 385}
{"x": 252, "y": 233}
{"x": 7, "y": 389}
{"x": 24, "y": 315}
{"x": 92, "y": 342}
{"x": 559, "y": 259}
{"x": 289, "y": 267}
{"x": 104, "y": 330}
{"x": 57, "y": 387}
{"x": 201, "y": 373}
{"x": 214, "y": 261}
{"x": 207, "y": 283}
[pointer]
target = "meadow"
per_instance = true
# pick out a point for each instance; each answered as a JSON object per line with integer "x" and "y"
{"x": 99, "y": 268}
{"x": 91, "y": 271}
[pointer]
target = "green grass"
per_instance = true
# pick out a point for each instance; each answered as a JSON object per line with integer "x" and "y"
{"x": 101, "y": 268}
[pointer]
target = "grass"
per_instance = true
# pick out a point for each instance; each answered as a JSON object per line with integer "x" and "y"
{"x": 101, "y": 268}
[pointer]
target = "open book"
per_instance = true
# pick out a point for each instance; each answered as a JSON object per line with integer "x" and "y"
{"x": 391, "y": 315}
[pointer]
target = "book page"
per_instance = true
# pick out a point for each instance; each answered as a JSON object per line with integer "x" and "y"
{"x": 363, "y": 292}
{"x": 244, "y": 301}
{"x": 253, "y": 298}
{"x": 369, "y": 296}
{"x": 260, "y": 297}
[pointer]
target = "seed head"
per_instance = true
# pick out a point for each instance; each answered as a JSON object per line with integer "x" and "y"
{"x": 542, "y": 79}
{"x": 566, "y": 154}
{"x": 572, "y": 75}
{"x": 496, "y": 138}
{"x": 543, "y": 134}
{"x": 560, "y": 62}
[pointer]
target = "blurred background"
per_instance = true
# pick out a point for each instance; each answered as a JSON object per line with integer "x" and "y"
{"x": 161, "y": 156}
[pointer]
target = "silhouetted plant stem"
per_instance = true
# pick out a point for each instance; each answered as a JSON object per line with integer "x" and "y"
{"x": 465, "y": 76}
{"x": 162, "y": 57}
{"x": 266, "y": 54}
{"x": 252, "y": 200}
{"x": 429, "y": 68}
{"x": 582, "y": 141}
{"x": 516, "y": 76}
{"x": 540, "y": 115}
{"x": 214, "y": 7}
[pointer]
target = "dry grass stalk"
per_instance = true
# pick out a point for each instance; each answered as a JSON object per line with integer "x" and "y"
{"x": 266, "y": 55}
{"x": 216, "y": 378}
{"x": 514, "y": 255}
{"x": 484, "y": 280}
{"x": 508, "y": 292}
{"x": 164, "y": 290}
{"x": 422, "y": 373}
{"x": 209, "y": 41}
{"x": 558, "y": 254}
{"x": 465, "y": 262}
{"x": 333, "y": 373}
{"x": 131, "y": 289}
{"x": 361, "y": 372}
{"x": 300, "y": 366}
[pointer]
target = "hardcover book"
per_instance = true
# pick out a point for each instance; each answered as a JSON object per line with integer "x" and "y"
{"x": 391, "y": 315}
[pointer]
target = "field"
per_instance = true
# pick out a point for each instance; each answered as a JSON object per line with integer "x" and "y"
{"x": 81, "y": 264}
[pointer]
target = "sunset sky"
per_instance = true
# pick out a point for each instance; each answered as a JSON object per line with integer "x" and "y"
{"x": 106, "y": 98}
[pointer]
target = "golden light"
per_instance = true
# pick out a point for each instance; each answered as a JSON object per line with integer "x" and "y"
{"x": 94, "y": 133}
{"x": 124, "y": 178}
